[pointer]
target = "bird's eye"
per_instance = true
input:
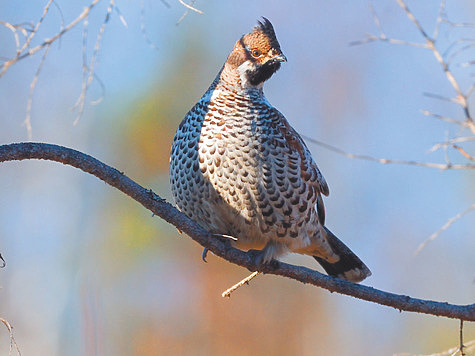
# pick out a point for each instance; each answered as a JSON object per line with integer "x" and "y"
{"x": 256, "y": 52}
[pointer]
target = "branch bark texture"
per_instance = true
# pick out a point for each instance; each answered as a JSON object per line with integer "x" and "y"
{"x": 151, "y": 201}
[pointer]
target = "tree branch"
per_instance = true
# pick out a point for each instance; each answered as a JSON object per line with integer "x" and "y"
{"x": 222, "y": 248}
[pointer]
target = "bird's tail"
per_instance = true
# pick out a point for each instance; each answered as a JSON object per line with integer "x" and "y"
{"x": 349, "y": 266}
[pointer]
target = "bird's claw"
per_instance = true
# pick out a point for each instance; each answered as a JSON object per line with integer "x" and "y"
{"x": 204, "y": 254}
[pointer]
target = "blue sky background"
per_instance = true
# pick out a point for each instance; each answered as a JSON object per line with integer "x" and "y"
{"x": 90, "y": 271}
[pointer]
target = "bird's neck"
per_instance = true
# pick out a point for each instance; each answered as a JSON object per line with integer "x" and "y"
{"x": 230, "y": 79}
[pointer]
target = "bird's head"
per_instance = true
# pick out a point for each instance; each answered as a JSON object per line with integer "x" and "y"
{"x": 257, "y": 55}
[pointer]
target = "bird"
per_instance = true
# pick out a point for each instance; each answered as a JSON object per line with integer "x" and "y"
{"x": 239, "y": 169}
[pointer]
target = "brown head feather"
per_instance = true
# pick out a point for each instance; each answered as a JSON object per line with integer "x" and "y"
{"x": 260, "y": 50}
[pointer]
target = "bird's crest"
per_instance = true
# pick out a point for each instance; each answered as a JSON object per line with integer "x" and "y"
{"x": 265, "y": 27}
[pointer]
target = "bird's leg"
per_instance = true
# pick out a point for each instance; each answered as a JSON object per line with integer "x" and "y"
{"x": 267, "y": 255}
{"x": 257, "y": 257}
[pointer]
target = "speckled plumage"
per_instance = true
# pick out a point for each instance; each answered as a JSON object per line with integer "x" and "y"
{"x": 238, "y": 168}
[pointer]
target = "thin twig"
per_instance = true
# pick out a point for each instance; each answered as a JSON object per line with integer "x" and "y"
{"x": 462, "y": 347}
{"x": 187, "y": 11}
{"x": 227, "y": 292}
{"x": 466, "y": 124}
{"x": 372, "y": 38}
{"x": 15, "y": 29}
{"x": 121, "y": 17}
{"x": 48, "y": 41}
{"x": 413, "y": 19}
{"x": 440, "y": 97}
{"x": 143, "y": 28}
{"x": 388, "y": 161}
{"x": 35, "y": 30}
{"x": 444, "y": 227}
{"x": 451, "y": 142}
{"x": 13, "y": 343}
{"x": 462, "y": 99}
{"x": 89, "y": 69}
{"x": 442, "y": 15}
{"x": 464, "y": 153}
{"x": 28, "y": 39}
{"x": 222, "y": 248}
{"x": 191, "y": 7}
{"x": 27, "y": 121}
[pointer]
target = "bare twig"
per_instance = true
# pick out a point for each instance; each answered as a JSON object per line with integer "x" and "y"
{"x": 35, "y": 30}
{"x": 190, "y": 6}
{"x": 192, "y": 2}
{"x": 464, "y": 153}
{"x": 430, "y": 42}
{"x": 462, "y": 347}
{"x": 121, "y": 17}
{"x": 382, "y": 37}
{"x": 451, "y": 142}
{"x": 388, "y": 161}
{"x": 227, "y": 292}
{"x": 27, "y": 121}
{"x": 24, "y": 54}
{"x": 88, "y": 70}
{"x": 143, "y": 27}
{"x": 440, "y": 18}
{"x": 461, "y": 98}
{"x": 469, "y": 125}
{"x": 15, "y": 29}
{"x": 12, "y": 338}
{"x": 444, "y": 227}
{"x": 222, "y": 248}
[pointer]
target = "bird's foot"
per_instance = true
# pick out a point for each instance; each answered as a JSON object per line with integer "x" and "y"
{"x": 225, "y": 238}
{"x": 257, "y": 258}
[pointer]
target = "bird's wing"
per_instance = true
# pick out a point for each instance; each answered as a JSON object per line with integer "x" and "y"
{"x": 308, "y": 168}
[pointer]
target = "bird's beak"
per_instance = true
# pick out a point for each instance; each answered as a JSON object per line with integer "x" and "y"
{"x": 280, "y": 58}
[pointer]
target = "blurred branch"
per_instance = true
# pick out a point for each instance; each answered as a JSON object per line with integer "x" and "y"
{"x": 88, "y": 70}
{"x": 444, "y": 227}
{"x": 222, "y": 248}
{"x": 445, "y": 59}
{"x": 143, "y": 27}
{"x": 12, "y": 339}
{"x": 27, "y": 121}
{"x": 190, "y": 6}
{"x": 389, "y": 161}
{"x": 25, "y": 51}
{"x": 192, "y": 3}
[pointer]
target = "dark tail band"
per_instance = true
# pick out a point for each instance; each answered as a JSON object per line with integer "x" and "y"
{"x": 349, "y": 267}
